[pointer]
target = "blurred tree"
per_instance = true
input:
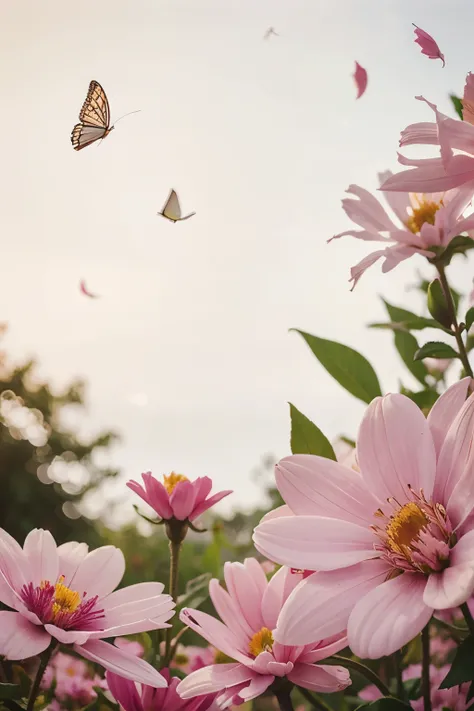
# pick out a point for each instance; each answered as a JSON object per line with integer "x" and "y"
{"x": 45, "y": 469}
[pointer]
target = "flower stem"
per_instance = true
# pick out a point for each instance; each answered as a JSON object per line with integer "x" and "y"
{"x": 284, "y": 699}
{"x": 175, "y": 549}
{"x": 315, "y": 701}
{"x": 362, "y": 669}
{"x": 468, "y": 617}
{"x": 455, "y": 325}
{"x": 397, "y": 663}
{"x": 425, "y": 667}
{"x": 44, "y": 661}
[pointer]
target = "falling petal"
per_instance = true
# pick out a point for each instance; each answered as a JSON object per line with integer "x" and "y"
{"x": 428, "y": 45}
{"x": 85, "y": 290}
{"x": 360, "y": 78}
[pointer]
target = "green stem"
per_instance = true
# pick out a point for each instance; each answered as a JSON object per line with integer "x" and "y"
{"x": 44, "y": 660}
{"x": 455, "y": 325}
{"x": 315, "y": 701}
{"x": 397, "y": 663}
{"x": 284, "y": 700}
{"x": 468, "y": 617}
{"x": 362, "y": 669}
{"x": 425, "y": 667}
{"x": 175, "y": 549}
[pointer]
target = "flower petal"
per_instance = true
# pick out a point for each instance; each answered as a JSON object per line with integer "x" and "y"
{"x": 395, "y": 449}
{"x": 279, "y": 588}
{"x": 182, "y": 500}
{"x": 245, "y": 592}
{"x": 205, "y": 505}
{"x": 213, "y": 678}
{"x": 67, "y": 636}
{"x": 215, "y": 633}
{"x": 99, "y": 572}
{"x": 229, "y": 612}
{"x": 70, "y": 556}
{"x": 367, "y": 211}
{"x": 19, "y": 638}
{"x": 388, "y": 617}
{"x": 445, "y": 409}
{"x": 320, "y": 606}
{"x": 318, "y": 486}
{"x": 449, "y": 588}
{"x": 324, "y": 679}
{"x": 41, "y": 552}
{"x": 124, "y": 692}
{"x": 360, "y": 78}
{"x": 314, "y": 542}
{"x": 13, "y": 563}
{"x": 431, "y": 179}
{"x": 129, "y": 666}
{"x": 399, "y": 202}
{"x": 358, "y": 270}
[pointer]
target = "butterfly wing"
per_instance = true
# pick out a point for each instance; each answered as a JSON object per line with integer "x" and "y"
{"x": 186, "y": 217}
{"x": 172, "y": 209}
{"x": 94, "y": 118}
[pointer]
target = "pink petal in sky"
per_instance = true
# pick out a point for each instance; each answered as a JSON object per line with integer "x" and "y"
{"x": 84, "y": 290}
{"x": 360, "y": 78}
{"x": 428, "y": 45}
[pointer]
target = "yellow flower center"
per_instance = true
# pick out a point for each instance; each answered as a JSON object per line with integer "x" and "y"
{"x": 65, "y": 599}
{"x": 404, "y": 527}
{"x": 70, "y": 671}
{"x": 262, "y": 641}
{"x": 423, "y": 210}
{"x": 181, "y": 659}
{"x": 169, "y": 482}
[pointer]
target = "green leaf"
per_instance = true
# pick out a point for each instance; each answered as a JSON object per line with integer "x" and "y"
{"x": 196, "y": 590}
{"x": 306, "y": 438}
{"x": 405, "y": 343}
{"x": 386, "y": 703}
{"x": 457, "y": 104}
{"x": 436, "y": 349}
{"x": 458, "y": 245}
{"x": 10, "y": 691}
{"x": 347, "y": 366}
{"x": 425, "y": 399}
{"x": 462, "y": 668}
{"x": 417, "y": 323}
{"x": 469, "y": 318}
{"x": 413, "y": 688}
{"x": 437, "y": 305}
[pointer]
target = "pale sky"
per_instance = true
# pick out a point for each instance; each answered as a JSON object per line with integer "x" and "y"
{"x": 187, "y": 352}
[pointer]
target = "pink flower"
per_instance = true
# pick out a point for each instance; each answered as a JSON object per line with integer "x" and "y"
{"x": 139, "y": 697}
{"x": 424, "y": 221}
{"x": 428, "y": 44}
{"x": 453, "y": 699}
{"x": 249, "y": 610}
{"x": 452, "y": 169}
{"x": 65, "y": 593}
{"x": 360, "y": 78}
{"x": 437, "y": 366}
{"x": 73, "y": 678}
{"x": 390, "y": 544}
{"x": 130, "y": 646}
{"x": 191, "y": 658}
{"x": 178, "y": 498}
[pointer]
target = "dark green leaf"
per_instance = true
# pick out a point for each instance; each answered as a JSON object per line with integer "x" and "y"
{"x": 413, "y": 688}
{"x": 10, "y": 691}
{"x": 458, "y": 245}
{"x": 425, "y": 399}
{"x": 469, "y": 343}
{"x": 415, "y": 324}
{"x": 457, "y": 104}
{"x": 347, "y": 366}
{"x": 407, "y": 345}
{"x": 469, "y": 318}
{"x": 437, "y": 305}
{"x": 436, "y": 349}
{"x": 386, "y": 703}
{"x": 397, "y": 314}
{"x": 306, "y": 438}
{"x": 462, "y": 668}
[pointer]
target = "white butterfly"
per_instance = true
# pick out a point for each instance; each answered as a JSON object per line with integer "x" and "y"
{"x": 172, "y": 210}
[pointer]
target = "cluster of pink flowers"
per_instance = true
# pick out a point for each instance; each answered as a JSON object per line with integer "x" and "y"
{"x": 73, "y": 681}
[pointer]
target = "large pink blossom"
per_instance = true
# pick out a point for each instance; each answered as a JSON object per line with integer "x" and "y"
{"x": 390, "y": 544}
{"x": 423, "y": 221}
{"x": 455, "y": 140}
{"x": 249, "y": 610}
{"x": 139, "y": 697}
{"x": 65, "y": 593}
{"x": 177, "y": 497}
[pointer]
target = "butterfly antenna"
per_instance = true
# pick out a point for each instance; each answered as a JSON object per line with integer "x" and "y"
{"x": 129, "y": 114}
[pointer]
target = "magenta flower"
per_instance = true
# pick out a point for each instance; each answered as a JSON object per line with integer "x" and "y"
{"x": 455, "y": 140}
{"x": 360, "y": 78}
{"x": 177, "y": 497}
{"x": 139, "y": 697}
{"x": 423, "y": 221}
{"x": 390, "y": 544}
{"x": 65, "y": 593}
{"x": 249, "y": 610}
{"x": 428, "y": 45}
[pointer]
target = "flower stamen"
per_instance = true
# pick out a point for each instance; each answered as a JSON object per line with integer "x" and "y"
{"x": 423, "y": 211}
{"x": 170, "y": 481}
{"x": 262, "y": 641}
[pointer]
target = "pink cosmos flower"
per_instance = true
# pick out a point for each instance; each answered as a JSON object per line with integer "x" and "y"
{"x": 428, "y": 45}
{"x": 178, "y": 497}
{"x": 139, "y": 697}
{"x": 390, "y": 544}
{"x": 424, "y": 221}
{"x": 453, "y": 699}
{"x": 455, "y": 140}
{"x": 360, "y": 78}
{"x": 249, "y": 611}
{"x": 191, "y": 658}
{"x": 65, "y": 593}
{"x": 73, "y": 679}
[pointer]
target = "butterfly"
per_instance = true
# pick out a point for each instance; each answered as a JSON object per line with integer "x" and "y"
{"x": 94, "y": 118}
{"x": 172, "y": 210}
{"x": 270, "y": 32}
